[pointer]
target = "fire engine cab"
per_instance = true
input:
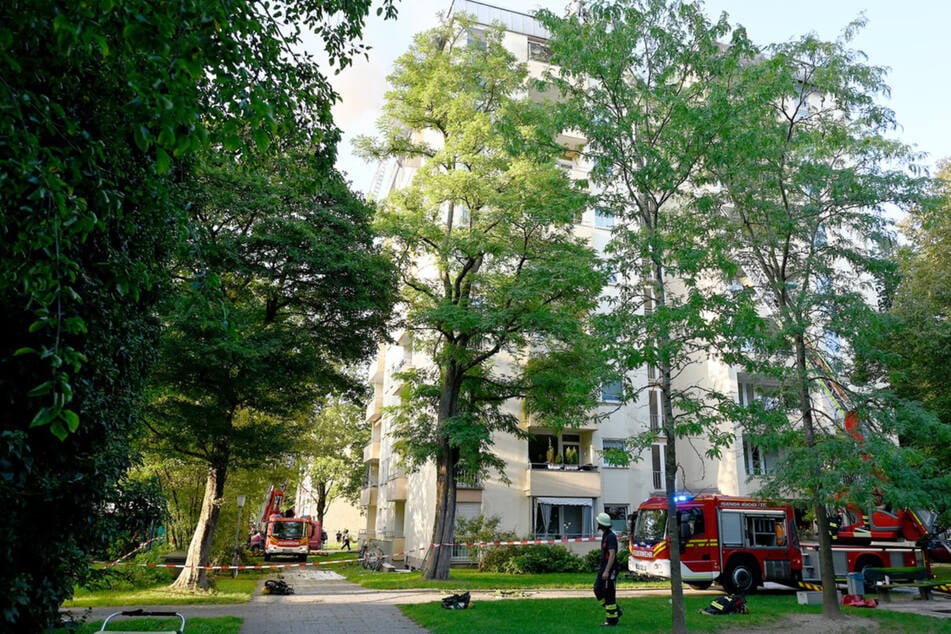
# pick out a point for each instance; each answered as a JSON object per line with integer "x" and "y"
{"x": 742, "y": 543}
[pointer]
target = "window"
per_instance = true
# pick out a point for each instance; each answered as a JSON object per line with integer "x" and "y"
{"x": 476, "y": 38}
{"x": 656, "y": 411}
{"x": 618, "y": 514}
{"x": 562, "y": 518}
{"x": 469, "y": 511}
{"x": 614, "y": 453}
{"x": 544, "y": 449}
{"x": 657, "y": 466}
{"x": 611, "y": 392}
{"x": 538, "y": 50}
{"x": 571, "y": 448}
{"x": 758, "y": 461}
{"x": 603, "y": 218}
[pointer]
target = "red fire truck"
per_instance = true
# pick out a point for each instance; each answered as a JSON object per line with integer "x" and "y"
{"x": 742, "y": 543}
{"x": 284, "y": 534}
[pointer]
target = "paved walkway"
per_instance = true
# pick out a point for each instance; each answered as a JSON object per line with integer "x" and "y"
{"x": 324, "y": 601}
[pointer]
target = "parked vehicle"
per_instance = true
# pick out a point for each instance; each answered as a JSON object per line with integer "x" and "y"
{"x": 742, "y": 543}
{"x": 285, "y": 535}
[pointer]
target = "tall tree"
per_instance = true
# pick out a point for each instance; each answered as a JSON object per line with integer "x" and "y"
{"x": 333, "y": 453}
{"x": 97, "y": 101}
{"x": 496, "y": 288}
{"x": 637, "y": 76}
{"x": 808, "y": 168}
{"x": 920, "y": 344}
{"x": 280, "y": 284}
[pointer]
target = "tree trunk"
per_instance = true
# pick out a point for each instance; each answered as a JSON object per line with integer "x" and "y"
{"x": 438, "y": 558}
{"x": 320, "y": 503}
{"x": 678, "y": 616}
{"x": 830, "y": 594}
{"x": 440, "y": 554}
{"x": 193, "y": 575}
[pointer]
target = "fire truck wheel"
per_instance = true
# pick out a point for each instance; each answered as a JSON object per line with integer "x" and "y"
{"x": 267, "y": 557}
{"x": 740, "y": 578}
{"x": 701, "y": 585}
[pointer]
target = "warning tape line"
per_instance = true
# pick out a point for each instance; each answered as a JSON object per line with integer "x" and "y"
{"x": 527, "y": 542}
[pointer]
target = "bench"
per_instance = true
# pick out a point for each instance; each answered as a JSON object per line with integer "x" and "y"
{"x": 884, "y": 580}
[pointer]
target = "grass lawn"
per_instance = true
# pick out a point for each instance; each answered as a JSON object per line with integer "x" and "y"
{"x": 227, "y": 590}
{"x": 648, "y": 614}
{"x": 472, "y": 579}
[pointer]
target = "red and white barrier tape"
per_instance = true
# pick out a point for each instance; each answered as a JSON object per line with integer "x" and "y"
{"x": 525, "y": 542}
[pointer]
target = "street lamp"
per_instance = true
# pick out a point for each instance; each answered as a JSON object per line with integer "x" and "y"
{"x": 236, "y": 561}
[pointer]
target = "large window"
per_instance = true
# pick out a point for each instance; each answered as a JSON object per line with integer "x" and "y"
{"x": 611, "y": 391}
{"x": 562, "y": 518}
{"x": 603, "y": 218}
{"x": 757, "y": 460}
{"x": 548, "y": 448}
{"x": 538, "y": 50}
{"x": 618, "y": 515}
{"x": 469, "y": 511}
{"x": 614, "y": 452}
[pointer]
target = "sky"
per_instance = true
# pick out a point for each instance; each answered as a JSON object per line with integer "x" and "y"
{"x": 907, "y": 37}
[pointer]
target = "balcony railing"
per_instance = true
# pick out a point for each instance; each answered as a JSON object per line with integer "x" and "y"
{"x": 368, "y": 496}
{"x": 371, "y": 452}
{"x": 548, "y": 480}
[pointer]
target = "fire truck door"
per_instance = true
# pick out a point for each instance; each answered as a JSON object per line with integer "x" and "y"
{"x": 697, "y": 545}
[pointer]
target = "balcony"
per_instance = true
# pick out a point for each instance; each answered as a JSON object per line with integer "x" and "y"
{"x": 396, "y": 489}
{"x": 582, "y": 482}
{"x": 368, "y": 495}
{"x": 371, "y": 453}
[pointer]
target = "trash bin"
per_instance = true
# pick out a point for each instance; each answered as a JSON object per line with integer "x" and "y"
{"x": 855, "y": 582}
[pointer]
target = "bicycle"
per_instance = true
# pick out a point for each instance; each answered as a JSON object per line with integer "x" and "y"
{"x": 371, "y": 556}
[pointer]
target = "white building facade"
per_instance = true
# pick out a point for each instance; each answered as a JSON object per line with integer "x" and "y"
{"x": 542, "y": 500}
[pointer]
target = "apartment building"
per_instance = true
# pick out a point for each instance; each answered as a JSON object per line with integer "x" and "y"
{"x": 558, "y": 482}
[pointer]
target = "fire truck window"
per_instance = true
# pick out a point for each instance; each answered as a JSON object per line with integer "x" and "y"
{"x": 697, "y": 521}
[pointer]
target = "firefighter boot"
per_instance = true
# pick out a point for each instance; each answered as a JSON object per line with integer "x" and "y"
{"x": 611, "y": 613}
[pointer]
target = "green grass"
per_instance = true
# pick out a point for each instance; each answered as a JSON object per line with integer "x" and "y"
{"x": 220, "y": 625}
{"x": 227, "y": 590}
{"x": 648, "y": 614}
{"x": 472, "y": 579}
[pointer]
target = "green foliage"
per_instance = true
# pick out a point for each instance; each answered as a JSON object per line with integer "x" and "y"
{"x": 592, "y": 559}
{"x": 480, "y": 530}
{"x": 103, "y": 105}
{"x": 333, "y": 447}
{"x": 130, "y": 517}
{"x": 534, "y": 559}
{"x": 132, "y": 574}
{"x": 505, "y": 280}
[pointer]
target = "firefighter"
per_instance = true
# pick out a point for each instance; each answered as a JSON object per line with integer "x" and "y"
{"x": 605, "y": 585}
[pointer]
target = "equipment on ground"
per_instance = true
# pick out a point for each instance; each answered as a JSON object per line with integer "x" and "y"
{"x": 143, "y": 613}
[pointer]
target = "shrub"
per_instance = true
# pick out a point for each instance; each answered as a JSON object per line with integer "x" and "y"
{"x": 483, "y": 529}
{"x": 537, "y": 559}
{"x": 494, "y": 558}
{"x": 592, "y": 559}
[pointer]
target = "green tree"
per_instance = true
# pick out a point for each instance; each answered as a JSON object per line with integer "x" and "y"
{"x": 333, "y": 453}
{"x": 808, "y": 169}
{"x": 637, "y": 76}
{"x": 496, "y": 288}
{"x": 98, "y": 100}
{"x": 920, "y": 345}
{"x": 279, "y": 285}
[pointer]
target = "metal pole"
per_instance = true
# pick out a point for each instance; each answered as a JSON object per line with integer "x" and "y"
{"x": 236, "y": 560}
